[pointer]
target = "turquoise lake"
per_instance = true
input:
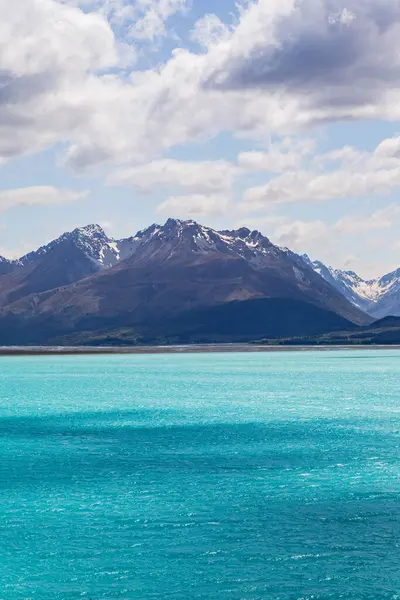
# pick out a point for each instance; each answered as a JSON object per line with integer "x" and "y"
{"x": 203, "y": 476}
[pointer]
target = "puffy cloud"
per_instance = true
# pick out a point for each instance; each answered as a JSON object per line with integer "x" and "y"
{"x": 337, "y": 56}
{"x": 209, "y": 31}
{"x": 380, "y": 219}
{"x": 38, "y": 195}
{"x": 281, "y": 66}
{"x": 284, "y": 156}
{"x": 151, "y": 24}
{"x": 202, "y": 177}
{"x": 141, "y": 16}
{"x": 265, "y": 224}
{"x": 299, "y": 234}
{"x": 311, "y": 187}
{"x": 47, "y": 53}
{"x": 194, "y": 205}
{"x": 358, "y": 174}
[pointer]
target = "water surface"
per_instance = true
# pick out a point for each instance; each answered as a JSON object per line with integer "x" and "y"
{"x": 206, "y": 476}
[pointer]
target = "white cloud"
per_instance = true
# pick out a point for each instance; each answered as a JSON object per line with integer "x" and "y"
{"x": 273, "y": 70}
{"x": 284, "y": 156}
{"x": 338, "y": 60}
{"x": 265, "y": 224}
{"x": 155, "y": 13}
{"x": 141, "y": 20}
{"x": 380, "y": 219}
{"x": 48, "y": 52}
{"x": 299, "y": 234}
{"x": 210, "y": 30}
{"x": 197, "y": 177}
{"x": 359, "y": 174}
{"x": 280, "y": 67}
{"x": 367, "y": 269}
{"x": 38, "y": 195}
{"x": 194, "y": 205}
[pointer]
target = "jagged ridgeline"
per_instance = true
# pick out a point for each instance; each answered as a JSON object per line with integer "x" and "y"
{"x": 378, "y": 297}
{"x": 180, "y": 281}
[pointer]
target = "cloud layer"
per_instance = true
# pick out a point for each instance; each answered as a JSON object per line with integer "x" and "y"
{"x": 88, "y": 77}
{"x": 336, "y": 55}
{"x": 192, "y": 176}
{"x": 196, "y": 206}
{"x": 344, "y": 173}
{"x": 65, "y": 78}
{"x": 38, "y": 196}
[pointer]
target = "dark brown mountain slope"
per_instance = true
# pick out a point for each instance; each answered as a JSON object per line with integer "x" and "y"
{"x": 174, "y": 269}
{"x": 68, "y": 259}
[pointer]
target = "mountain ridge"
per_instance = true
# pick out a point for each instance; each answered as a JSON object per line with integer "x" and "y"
{"x": 378, "y": 297}
{"x": 85, "y": 280}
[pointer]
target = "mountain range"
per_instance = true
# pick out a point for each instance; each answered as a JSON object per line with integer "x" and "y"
{"x": 177, "y": 282}
{"x": 378, "y": 297}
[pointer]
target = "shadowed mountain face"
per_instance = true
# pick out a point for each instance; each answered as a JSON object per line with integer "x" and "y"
{"x": 70, "y": 258}
{"x": 86, "y": 281}
{"x": 5, "y": 265}
{"x": 238, "y": 321}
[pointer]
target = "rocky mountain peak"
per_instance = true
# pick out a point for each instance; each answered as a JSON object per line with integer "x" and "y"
{"x": 91, "y": 241}
{"x": 242, "y": 233}
{"x": 6, "y": 265}
{"x": 92, "y": 231}
{"x": 251, "y": 238}
{"x": 378, "y": 297}
{"x": 86, "y": 250}
{"x": 163, "y": 270}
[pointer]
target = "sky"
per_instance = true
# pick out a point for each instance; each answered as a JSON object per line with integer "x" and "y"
{"x": 279, "y": 115}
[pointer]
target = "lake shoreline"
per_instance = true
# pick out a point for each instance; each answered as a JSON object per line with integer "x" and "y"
{"x": 180, "y": 349}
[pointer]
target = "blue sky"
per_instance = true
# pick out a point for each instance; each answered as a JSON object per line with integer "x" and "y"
{"x": 282, "y": 115}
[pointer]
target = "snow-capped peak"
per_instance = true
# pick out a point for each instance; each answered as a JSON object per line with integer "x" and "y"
{"x": 91, "y": 240}
{"x": 205, "y": 239}
{"x": 179, "y": 240}
{"x": 379, "y": 297}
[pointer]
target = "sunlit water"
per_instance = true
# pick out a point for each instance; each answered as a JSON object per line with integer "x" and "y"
{"x": 211, "y": 476}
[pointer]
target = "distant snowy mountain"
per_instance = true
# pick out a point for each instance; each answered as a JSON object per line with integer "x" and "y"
{"x": 378, "y": 297}
{"x": 389, "y": 301}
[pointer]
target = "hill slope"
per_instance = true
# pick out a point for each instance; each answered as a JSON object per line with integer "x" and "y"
{"x": 238, "y": 321}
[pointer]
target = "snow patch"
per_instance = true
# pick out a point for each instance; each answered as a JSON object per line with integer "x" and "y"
{"x": 299, "y": 274}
